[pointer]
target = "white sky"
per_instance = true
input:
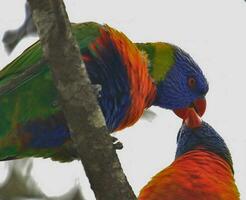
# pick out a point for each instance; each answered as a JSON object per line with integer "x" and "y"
{"x": 213, "y": 32}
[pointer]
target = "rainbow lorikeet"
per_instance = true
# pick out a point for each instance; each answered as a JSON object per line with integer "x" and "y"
{"x": 202, "y": 168}
{"x": 133, "y": 77}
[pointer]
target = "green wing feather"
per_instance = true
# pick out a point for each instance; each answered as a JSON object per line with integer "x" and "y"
{"x": 34, "y": 97}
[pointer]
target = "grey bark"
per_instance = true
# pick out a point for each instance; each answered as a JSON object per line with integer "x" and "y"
{"x": 12, "y": 37}
{"x": 79, "y": 102}
{"x": 21, "y": 186}
{"x": 19, "y": 183}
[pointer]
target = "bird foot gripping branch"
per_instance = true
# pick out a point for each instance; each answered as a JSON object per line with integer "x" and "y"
{"x": 116, "y": 143}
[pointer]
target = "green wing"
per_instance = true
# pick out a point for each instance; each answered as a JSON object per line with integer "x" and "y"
{"x": 33, "y": 97}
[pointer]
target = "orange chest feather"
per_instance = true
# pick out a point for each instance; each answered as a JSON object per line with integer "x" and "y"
{"x": 196, "y": 175}
{"x": 142, "y": 88}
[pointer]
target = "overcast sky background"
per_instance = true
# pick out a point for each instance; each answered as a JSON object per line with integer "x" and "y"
{"x": 213, "y": 32}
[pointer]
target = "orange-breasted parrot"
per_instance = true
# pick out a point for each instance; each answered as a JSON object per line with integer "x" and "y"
{"x": 132, "y": 77}
{"x": 202, "y": 168}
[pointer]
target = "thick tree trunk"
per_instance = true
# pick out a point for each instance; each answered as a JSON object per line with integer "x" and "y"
{"x": 77, "y": 95}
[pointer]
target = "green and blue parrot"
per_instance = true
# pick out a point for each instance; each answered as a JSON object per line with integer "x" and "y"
{"x": 132, "y": 77}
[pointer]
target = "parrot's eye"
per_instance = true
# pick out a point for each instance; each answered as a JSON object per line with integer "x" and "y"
{"x": 191, "y": 82}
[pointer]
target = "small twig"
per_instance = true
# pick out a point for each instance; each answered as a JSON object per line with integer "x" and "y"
{"x": 12, "y": 37}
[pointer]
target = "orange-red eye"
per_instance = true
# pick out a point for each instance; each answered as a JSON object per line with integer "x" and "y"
{"x": 191, "y": 82}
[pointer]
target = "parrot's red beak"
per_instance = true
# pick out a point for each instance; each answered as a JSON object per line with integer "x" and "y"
{"x": 192, "y": 114}
{"x": 192, "y": 120}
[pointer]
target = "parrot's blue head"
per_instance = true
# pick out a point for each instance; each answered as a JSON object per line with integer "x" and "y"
{"x": 180, "y": 81}
{"x": 203, "y": 137}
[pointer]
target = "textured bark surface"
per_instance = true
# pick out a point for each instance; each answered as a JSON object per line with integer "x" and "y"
{"x": 79, "y": 102}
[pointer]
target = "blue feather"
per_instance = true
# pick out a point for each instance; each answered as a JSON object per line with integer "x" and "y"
{"x": 204, "y": 137}
{"x": 107, "y": 69}
{"x": 173, "y": 92}
{"x": 46, "y": 133}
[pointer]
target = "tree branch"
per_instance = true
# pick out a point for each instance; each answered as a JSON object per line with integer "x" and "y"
{"x": 84, "y": 117}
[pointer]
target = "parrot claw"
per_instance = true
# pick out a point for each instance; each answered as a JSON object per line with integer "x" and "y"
{"x": 97, "y": 88}
{"x": 149, "y": 115}
{"x": 116, "y": 143}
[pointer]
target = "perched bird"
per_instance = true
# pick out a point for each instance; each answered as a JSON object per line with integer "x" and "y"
{"x": 202, "y": 169}
{"x": 132, "y": 77}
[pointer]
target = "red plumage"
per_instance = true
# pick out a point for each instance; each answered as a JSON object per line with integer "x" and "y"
{"x": 142, "y": 88}
{"x": 197, "y": 175}
{"x": 142, "y": 95}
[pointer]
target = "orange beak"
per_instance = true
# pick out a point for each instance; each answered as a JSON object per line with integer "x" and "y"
{"x": 192, "y": 114}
